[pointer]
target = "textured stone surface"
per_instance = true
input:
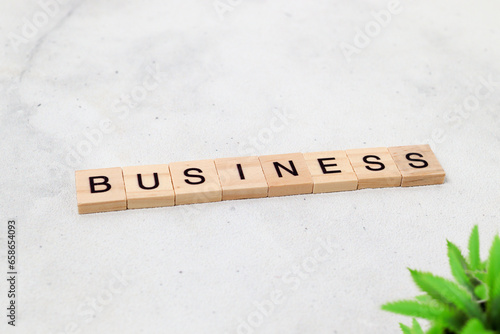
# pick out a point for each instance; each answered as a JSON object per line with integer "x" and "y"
{"x": 114, "y": 83}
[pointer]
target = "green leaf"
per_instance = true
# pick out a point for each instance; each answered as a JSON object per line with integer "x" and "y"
{"x": 415, "y": 309}
{"x": 448, "y": 293}
{"x": 436, "y": 312}
{"x": 416, "y": 327}
{"x": 405, "y": 329}
{"x": 495, "y": 292}
{"x": 459, "y": 266}
{"x": 493, "y": 305}
{"x": 479, "y": 275}
{"x": 426, "y": 299}
{"x": 474, "y": 258}
{"x": 493, "y": 263}
{"x": 481, "y": 292}
{"x": 475, "y": 326}
{"x": 435, "y": 329}
{"x": 494, "y": 312}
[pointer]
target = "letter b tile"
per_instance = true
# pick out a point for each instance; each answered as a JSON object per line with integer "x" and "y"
{"x": 100, "y": 190}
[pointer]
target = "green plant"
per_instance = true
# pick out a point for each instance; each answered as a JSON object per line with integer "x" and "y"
{"x": 471, "y": 305}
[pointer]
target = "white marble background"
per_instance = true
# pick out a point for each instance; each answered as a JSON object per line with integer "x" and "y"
{"x": 90, "y": 84}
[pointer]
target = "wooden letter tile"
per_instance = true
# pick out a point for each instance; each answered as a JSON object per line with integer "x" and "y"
{"x": 286, "y": 174}
{"x": 374, "y": 168}
{"x": 148, "y": 186}
{"x": 331, "y": 171}
{"x": 195, "y": 182}
{"x": 418, "y": 165}
{"x": 99, "y": 190}
{"x": 241, "y": 178}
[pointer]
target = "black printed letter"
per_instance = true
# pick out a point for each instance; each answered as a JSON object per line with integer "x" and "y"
{"x": 141, "y": 185}
{"x": 93, "y": 184}
{"x": 186, "y": 173}
{"x": 240, "y": 171}
{"x": 293, "y": 171}
{"x": 323, "y": 166}
{"x": 408, "y": 156}
{"x": 381, "y": 165}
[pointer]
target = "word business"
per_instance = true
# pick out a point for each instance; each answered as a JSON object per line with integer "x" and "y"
{"x": 111, "y": 189}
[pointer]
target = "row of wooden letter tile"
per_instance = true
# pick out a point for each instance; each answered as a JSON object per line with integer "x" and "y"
{"x": 111, "y": 189}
